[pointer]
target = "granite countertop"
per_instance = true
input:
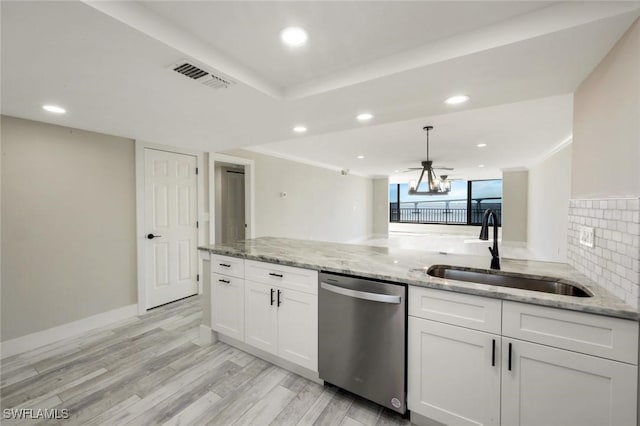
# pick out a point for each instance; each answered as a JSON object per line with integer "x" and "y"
{"x": 409, "y": 266}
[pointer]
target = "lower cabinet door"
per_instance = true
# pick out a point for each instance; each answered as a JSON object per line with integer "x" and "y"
{"x": 453, "y": 374}
{"x": 260, "y": 314}
{"x": 227, "y": 305}
{"x": 555, "y": 387}
{"x": 298, "y": 328}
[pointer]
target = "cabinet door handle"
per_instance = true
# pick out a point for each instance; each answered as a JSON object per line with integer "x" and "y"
{"x": 273, "y": 274}
{"x": 224, "y": 281}
{"x": 272, "y": 291}
{"x": 493, "y": 352}
{"x": 279, "y": 301}
{"x": 226, "y": 265}
{"x": 509, "y": 366}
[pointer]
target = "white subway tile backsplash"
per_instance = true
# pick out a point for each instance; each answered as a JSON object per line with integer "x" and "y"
{"x": 614, "y": 261}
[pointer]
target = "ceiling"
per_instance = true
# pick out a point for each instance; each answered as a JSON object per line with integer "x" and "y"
{"x": 516, "y": 135}
{"x": 106, "y": 63}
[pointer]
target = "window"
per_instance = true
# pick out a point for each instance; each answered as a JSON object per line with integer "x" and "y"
{"x": 464, "y": 205}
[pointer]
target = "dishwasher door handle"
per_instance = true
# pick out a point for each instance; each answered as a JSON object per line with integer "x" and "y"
{"x": 374, "y": 297}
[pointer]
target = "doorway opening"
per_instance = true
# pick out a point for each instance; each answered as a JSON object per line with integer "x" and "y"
{"x": 231, "y": 198}
{"x": 230, "y": 222}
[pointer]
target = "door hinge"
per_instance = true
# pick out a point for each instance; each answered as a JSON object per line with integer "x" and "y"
{"x": 197, "y": 224}
{"x": 197, "y": 277}
{"x": 196, "y": 170}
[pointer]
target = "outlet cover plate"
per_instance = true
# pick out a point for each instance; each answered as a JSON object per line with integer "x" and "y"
{"x": 586, "y": 236}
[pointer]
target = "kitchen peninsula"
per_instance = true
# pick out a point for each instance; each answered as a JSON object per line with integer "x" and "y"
{"x": 493, "y": 354}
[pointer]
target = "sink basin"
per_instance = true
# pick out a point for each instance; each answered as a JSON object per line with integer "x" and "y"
{"x": 508, "y": 279}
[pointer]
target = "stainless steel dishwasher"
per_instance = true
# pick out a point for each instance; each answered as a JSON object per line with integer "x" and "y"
{"x": 362, "y": 338}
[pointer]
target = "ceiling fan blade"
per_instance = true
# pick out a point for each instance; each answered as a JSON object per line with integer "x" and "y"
{"x": 414, "y": 168}
{"x": 444, "y": 168}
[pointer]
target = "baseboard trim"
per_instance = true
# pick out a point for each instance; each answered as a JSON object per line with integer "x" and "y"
{"x": 273, "y": 359}
{"x": 41, "y": 338}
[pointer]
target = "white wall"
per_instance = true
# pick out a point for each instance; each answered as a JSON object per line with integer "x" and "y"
{"x": 514, "y": 206}
{"x": 606, "y": 125}
{"x": 605, "y": 184}
{"x": 68, "y": 222}
{"x": 548, "y": 206}
{"x": 381, "y": 207}
{"x": 321, "y": 204}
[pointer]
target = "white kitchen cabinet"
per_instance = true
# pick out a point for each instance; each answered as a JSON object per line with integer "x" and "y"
{"x": 298, "y": 328}
{"x": 283, "y": 322}
{"x": 531, "y": 383}
{"x": 227, "y": 305}
{"x": 281, "y": 311}
{"x": 260, "y": 316}
{"x": 556, "y": 387}
{"x": 454, "y": 373}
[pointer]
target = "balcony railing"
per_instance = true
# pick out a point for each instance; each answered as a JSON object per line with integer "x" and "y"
{"x": 421, "y": 212}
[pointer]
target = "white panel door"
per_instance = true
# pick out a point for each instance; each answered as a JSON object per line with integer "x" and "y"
{"x": 260, "y": 316}
{"x": 555, "y": 387}
{"x": 170, "y": 226}
{"x": 298, "y": 327}
{"x": 453, "y": 374}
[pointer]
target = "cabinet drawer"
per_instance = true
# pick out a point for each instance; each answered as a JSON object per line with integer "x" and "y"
{"x": 465, "y": 310}
{"x": 591, "y": 334}
{"x": 304, "y": 280}
{"x": 227, "y": 265}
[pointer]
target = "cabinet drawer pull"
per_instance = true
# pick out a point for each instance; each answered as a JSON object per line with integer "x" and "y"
{"x": 493, "y": 352}
{"x": 272, "y": 291}
{"x": 509, "y": 357}
{"x": 279, "y": 301}
{"x": 273, "y": 274}
{"x": 224, "y": 281}
{"x": 226, "y": 265}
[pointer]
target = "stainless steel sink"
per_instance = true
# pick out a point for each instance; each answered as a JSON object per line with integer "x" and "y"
{"x": 508, "y": 279}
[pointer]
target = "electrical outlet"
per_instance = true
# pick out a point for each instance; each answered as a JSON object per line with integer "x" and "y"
{"x": 586, "y": 236}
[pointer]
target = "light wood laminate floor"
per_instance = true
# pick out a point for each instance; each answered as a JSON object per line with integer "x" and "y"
{"x": 151, "y": 370}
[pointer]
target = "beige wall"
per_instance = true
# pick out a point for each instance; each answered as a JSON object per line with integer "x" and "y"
{"x": 68, "y": 225}
{"x": 381, "y": 207}
{"x": 548, "y": 206}
{"x": 321, "y": 204}
{"x": 514, "y": 206}
{"x": 606, "y": 125}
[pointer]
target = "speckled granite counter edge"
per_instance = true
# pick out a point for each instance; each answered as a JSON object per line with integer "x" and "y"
{"x": 608, "y": 308}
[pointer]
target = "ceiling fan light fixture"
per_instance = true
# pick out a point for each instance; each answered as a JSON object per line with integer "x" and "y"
{"x": 435, "y": 185}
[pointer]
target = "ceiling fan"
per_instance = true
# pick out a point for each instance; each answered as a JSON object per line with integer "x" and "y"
{"x": 437, "y": 185}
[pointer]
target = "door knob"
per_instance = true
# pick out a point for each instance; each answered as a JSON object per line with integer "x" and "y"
{"x": 151, "y": 236}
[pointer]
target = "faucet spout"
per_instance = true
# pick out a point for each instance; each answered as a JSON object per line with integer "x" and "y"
{"x": 484, "y": 235}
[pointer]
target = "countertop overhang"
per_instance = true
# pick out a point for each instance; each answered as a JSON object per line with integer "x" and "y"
{"x": 409, "y": 267}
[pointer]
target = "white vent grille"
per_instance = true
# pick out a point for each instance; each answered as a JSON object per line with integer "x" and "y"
{"x": 201, "y": 76}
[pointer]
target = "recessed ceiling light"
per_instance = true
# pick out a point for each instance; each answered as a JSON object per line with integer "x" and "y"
{"x": 299, "y": 129}
{"x": 458, "y": 99}
{"x": 480, "y": 165}
{"x": 54, "y": 109}
{"x": 293, "y": 36}
{"x": 365, "y": 116}
{"x": 360, "y": 157}
{"x": 396, "y": 171}
{"x": 481, "y": 145}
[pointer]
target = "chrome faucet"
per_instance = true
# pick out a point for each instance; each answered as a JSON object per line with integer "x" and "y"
{"x": 484, "y": 235}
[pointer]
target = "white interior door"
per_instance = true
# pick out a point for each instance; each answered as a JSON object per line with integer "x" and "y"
{"x": 170, "y": 226}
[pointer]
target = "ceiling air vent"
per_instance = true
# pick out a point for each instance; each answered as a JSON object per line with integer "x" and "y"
{"x": 201, "y": 76}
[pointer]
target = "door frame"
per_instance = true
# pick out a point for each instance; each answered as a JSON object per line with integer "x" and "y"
{"x": 249, "y": 193}
{"x": 140, "y": 146}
